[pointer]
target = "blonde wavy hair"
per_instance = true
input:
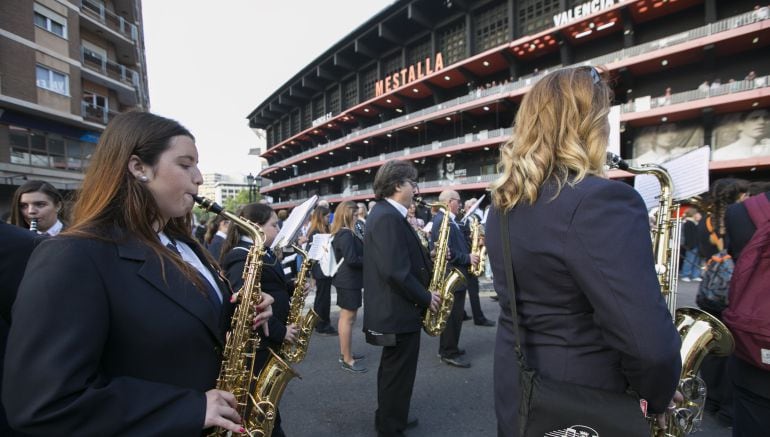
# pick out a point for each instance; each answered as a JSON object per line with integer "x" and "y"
{"x": 560, "y": 130}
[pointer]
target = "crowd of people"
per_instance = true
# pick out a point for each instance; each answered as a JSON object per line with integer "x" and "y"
{"x": 119, "y": 325}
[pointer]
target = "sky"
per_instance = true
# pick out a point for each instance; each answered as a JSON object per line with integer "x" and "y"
{"x": 209, "y": 64}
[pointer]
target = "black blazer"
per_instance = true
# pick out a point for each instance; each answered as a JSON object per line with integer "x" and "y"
{"x": 589, "y": 302}
{"x": 215, "y": 247}
{"x": 349, "y": 246}
{"x": 15, "y": 249}
{"x": 102, "y": 344}
{"x": 273, "y": 282}
{"x": 396, "y": 273}
{"x": 459, "y": 250}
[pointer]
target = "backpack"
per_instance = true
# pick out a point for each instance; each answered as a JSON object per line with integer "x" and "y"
{"x": 714, "y": 288}
{"x": 748, "y": 315}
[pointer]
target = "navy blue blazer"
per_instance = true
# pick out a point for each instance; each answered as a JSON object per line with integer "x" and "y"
{"x": 349, "y": 246}
{"x": 589, "y": 302}
{"x": 272, "y": 281}
{"x": 459, "y": 250}
{"x": 396, "y": 273}
{"x": 103, "y": 343}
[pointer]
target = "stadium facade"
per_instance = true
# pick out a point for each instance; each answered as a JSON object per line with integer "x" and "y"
{"x": 439, "y": 82}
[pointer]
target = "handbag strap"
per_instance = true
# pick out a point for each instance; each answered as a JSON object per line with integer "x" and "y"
{"x": 511, "y": 286}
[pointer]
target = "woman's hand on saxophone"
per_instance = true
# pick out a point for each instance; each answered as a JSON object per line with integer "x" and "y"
{"x": 264, "y": 312}
{"x": 220, "y": 411}
{"x": 435, "y": 302}
{"x": 291, "y": 333}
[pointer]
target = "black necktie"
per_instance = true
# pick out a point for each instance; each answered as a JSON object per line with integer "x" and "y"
{"x": 212, "y": 294}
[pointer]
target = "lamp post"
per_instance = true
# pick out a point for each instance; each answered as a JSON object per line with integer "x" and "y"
{"x": 250, "y": 181}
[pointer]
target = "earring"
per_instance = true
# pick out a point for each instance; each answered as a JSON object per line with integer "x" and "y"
{"x": 144, "y": 178}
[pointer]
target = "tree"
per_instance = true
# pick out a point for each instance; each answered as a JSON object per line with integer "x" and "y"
{"x": 242, "y": 198}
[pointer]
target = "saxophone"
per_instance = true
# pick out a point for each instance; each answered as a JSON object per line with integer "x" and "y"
{"x": 295, "y": 352}
{"x": 256, "y": 397}
{"x": 700, "y": 332}
{"x": 476, "y": 246}
{"x": 442, "y": 283}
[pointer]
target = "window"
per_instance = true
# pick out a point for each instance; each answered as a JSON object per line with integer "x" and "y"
{"x": 418, "y": 52}
{"x": 536, "y": 15}
{"x": 41, "y": 149}
{"x": 52, "y": 80}
{"x": 50, "y": 21}
{"x": 451, "y": 42}
{"x": 491, "y": 28}
{"x": 350, "y": 93}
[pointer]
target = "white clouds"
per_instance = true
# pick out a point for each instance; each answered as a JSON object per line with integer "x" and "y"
{"x": 211, "y": 63}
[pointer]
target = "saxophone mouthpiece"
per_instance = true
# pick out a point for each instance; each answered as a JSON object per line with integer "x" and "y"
{"x": 615, "y": 161}
{"x": 207, "y": 204}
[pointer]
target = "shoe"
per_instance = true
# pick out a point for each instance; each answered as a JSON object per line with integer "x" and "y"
{"x": 356, "y": 357}
{"x": 331, "y": 332}
{"x": 697, "y": 280}
{"x": 411, "y": 423}
{"x": 686, "y": 279}
{"x": 456, "y": 362}
{"x": 355, "y": 367}
{"x": 485, "y": 322}
{"x": 459, "y": 352}
{"x": 466, "y": 317}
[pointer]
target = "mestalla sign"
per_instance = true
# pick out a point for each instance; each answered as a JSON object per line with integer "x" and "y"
{"x": 409, "y": 74}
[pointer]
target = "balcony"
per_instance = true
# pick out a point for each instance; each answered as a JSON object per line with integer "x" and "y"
{"x": 470, "y": 140}
{"x": 111, "y": 20}
{"x": 112, "y": 75}
{"x": 621, "y": 58}
{"x": 96, "y": 114}
{"x": 432, "y": 186}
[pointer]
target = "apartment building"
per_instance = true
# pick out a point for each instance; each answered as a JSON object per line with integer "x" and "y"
{"x": 66, "y": 68}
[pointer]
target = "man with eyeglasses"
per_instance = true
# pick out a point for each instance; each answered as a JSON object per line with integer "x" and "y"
{"x": 397, "y": 272}
{"x": 460, "y": 257}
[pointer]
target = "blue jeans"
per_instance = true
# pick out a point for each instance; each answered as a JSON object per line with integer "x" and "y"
{"x": 691, "y": 267}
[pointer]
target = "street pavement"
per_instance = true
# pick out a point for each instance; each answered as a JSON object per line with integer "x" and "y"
{"x": 448, "y": 401}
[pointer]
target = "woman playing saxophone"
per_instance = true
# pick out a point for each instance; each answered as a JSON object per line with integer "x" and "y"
{"x": 272, "y": 281}
{"x": 120, "y": 329}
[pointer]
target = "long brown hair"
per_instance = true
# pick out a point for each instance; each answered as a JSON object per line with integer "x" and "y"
{"x": 112, "y": 197}
{"x": 258, "y": 213}
{"x": 344, "y": 216}
{"x": 319, "y": 222}
{"x": 17, "y": 218}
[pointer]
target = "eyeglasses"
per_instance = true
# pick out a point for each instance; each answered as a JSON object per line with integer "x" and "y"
{"x": 412, "y": 183}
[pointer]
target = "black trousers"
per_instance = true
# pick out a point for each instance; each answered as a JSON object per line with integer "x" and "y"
{"x": 322, "y": 303}
{"x": 473, "y": 297}
{"x": 395, "y": 381}
{"x": 751, "y": 398}
{"x": 450, "y": 337}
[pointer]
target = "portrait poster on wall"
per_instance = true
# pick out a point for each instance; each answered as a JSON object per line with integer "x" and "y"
{"x": 660, "y": 143}
{"x": 741, "y": 135}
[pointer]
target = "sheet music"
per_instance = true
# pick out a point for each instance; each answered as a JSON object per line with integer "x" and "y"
{"x": 321, "y": 250}
{"x": 293, "y": 223}
{"x": 474, "y": 208}
{"x": 689, "y": 172}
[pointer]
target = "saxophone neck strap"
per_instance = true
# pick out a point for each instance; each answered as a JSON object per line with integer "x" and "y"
{"x": 510, "y": 282}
